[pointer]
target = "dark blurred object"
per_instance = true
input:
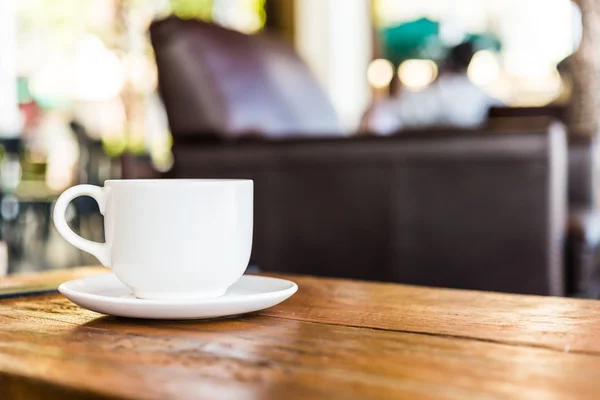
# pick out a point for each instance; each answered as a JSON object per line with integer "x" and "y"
{"x": 280, "y": 19}
{"x": 136, "y": 166}
{"x": 583, "y": 251}
{"x": 216, "y": 80}
{"x": 454, "y": 208}
{"x": 93, "y": 161}
{"x": 10, "y": 178}
{"x": 583, "y": 181}
{"x": 583, "y": 245}
{"x": 459, "y": 57}
{"x": 583, "y": 238}
{"x": 26, "y": 225}
{"x": 12, "y": 144}
{"x": 559, "y": 112}
{"x": 25, "y": 211}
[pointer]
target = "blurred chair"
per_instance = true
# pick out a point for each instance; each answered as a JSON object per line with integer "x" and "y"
{"x": 454, "y": 208}
{"x": 215, "y": 80}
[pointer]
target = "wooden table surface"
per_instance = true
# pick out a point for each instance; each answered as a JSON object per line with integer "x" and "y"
{"x": 334, "y": 339}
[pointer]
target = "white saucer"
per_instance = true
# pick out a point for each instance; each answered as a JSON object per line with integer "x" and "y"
{"x": 107, "y": 295}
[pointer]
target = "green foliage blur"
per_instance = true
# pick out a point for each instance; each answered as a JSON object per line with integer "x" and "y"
{"x": 192, "y": 9}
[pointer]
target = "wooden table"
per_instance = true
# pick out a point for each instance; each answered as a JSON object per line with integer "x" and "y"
{"x": 334, "y": 339}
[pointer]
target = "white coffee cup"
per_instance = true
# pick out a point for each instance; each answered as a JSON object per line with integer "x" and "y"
{"x": 169, "y": 239}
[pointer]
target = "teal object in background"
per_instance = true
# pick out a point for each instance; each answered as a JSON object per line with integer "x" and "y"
{"x": 420, "y": 39}
{"x": 25, "y": 96}
{"x": 416, "y": 39}
{"x": 485, "y": 41}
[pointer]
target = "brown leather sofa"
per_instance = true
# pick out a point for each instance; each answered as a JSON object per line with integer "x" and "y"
{"x": 464, "y": 210}
{"x": 467, "y": 209}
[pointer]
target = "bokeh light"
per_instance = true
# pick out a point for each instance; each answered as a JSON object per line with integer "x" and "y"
{"x": 98, "y": 72}
{"x": 484, "y": 68}
{"x": 532, "y": 43}
{"x": 246, "y": 16}
{"x": 417, "y": 74}
{"x": 380, "y": 73}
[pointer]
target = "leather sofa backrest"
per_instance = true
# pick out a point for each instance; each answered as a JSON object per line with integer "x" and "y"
{"x": 216, "y": 80}
{"x": 475, "y": 210}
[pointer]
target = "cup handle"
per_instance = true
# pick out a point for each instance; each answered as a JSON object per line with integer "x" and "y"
{"x": 98, "y": 250}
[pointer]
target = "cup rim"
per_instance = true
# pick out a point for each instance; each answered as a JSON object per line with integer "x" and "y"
{"x": 178, "y": 181}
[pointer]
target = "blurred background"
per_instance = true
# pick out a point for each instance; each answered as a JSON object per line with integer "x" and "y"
{"x": 80, "y": 99}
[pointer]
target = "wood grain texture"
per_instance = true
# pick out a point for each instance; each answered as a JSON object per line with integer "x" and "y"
{"x": 61, "y": 275}
{"x": 47, "y": 279}
{"x": 333, "y": 339}
{"x": 558, "y": 323}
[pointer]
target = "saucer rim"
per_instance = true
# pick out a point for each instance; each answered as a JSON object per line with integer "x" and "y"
{"x": 68, "y": 292}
